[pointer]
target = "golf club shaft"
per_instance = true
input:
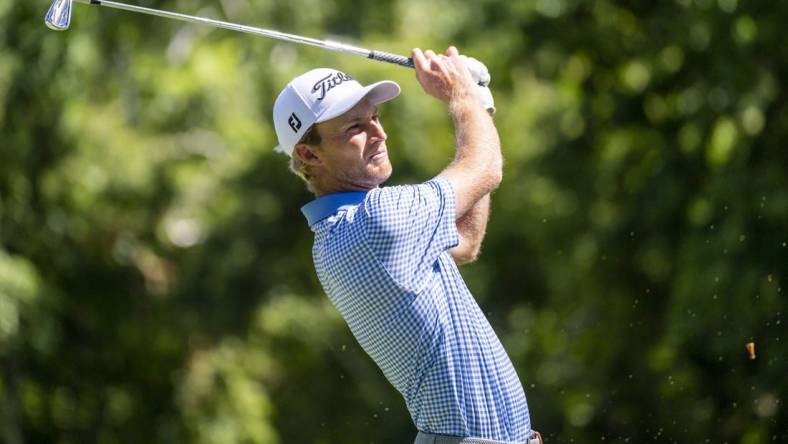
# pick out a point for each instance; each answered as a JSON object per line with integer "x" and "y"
{"x": 333, "y": 46}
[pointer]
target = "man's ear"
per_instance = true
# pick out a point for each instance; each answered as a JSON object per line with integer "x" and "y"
{"x": 306, "y": 154}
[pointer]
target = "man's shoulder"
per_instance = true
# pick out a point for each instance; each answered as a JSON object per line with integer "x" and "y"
{"x": 395, "y": 197}
{"x": 436, "y": 181}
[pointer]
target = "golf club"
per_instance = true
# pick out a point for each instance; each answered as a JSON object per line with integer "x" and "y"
{"x": 58, "y": 17}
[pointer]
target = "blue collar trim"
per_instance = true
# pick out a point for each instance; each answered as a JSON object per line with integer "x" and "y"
{"x": 330, "y": 204}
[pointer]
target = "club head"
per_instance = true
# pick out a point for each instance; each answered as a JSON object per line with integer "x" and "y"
{"x": 59, "y": 15}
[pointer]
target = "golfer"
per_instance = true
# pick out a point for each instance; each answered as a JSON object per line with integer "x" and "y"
{"x": 387, "y": 257}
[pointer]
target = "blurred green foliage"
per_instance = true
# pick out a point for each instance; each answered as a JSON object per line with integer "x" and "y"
{"x": 156, "y": 282}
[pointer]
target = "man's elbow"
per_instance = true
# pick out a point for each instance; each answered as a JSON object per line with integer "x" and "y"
{"x": 470, "y": 258}
{"x": 467, "y": 255}
{"x": 495, "y": 173}
{"x": 490, "y": 180}
{"x": 497, "y": 177}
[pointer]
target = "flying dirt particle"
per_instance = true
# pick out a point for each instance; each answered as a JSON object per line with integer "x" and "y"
{"x": 750, "y": 349}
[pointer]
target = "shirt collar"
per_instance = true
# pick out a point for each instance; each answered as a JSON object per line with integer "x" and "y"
{"x": 330, "y": 204}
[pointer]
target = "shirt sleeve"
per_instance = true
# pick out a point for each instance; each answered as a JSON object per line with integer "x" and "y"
{"x": 409, "y": 226}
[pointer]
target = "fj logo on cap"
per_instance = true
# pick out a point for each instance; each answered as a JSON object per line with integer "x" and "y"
{"x": 324, "y": 85}
{"x": 294, "y": 122}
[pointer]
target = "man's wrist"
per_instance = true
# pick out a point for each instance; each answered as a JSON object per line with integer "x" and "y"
{"x": 463, "y": 103}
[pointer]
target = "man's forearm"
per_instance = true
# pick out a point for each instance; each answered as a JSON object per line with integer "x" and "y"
{"x": 477, "y": 167}
{"x": 472, "y": 227}
{"x": 473, "y": 224}
{"x": 478, "y": 158}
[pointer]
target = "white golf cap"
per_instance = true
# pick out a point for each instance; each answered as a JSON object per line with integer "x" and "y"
{"x": 319, "y": 95}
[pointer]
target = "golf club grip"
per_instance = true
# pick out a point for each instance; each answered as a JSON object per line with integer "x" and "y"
{"x": 384, "y": 56}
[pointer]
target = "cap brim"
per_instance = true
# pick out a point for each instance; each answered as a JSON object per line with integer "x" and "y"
{"x": 283, "y": 150}
{"x": 377, "y": 92}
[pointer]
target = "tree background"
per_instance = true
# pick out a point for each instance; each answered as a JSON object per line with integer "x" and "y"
{"x": 156, "y": 282}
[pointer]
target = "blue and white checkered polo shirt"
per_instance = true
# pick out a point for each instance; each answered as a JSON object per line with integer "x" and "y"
{"x": 382, "y": 258}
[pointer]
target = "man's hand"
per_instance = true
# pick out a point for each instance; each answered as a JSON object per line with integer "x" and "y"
{"x": 481, "y": 76}
{"x": 479, "y": 72}
{"x": 444, "y": 76}
{"x": 448, "y": 76}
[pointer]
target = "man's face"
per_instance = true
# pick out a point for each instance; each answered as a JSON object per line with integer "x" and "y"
{"x": 352, "y": 151}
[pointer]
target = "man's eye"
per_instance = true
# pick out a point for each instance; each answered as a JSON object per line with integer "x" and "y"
{"x": 353, "y": 128}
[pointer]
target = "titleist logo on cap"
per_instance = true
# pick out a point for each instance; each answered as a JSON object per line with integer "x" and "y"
{"x": 324, "y": 85}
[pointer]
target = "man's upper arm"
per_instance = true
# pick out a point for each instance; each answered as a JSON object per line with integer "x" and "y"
{"x": 409, "y": 226}
{"x": 469, "y": 186}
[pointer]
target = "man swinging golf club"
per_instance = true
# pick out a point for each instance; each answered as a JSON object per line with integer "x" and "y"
{"x": 387, "y": 256}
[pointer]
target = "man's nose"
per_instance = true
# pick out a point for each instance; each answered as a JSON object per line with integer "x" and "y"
{"x": 376, "y": 130}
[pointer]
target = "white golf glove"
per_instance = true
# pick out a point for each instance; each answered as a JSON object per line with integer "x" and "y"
{"x": 482, "y": 78}
{"x": 487, "y": 99}
{"x": 477, "y": 69}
